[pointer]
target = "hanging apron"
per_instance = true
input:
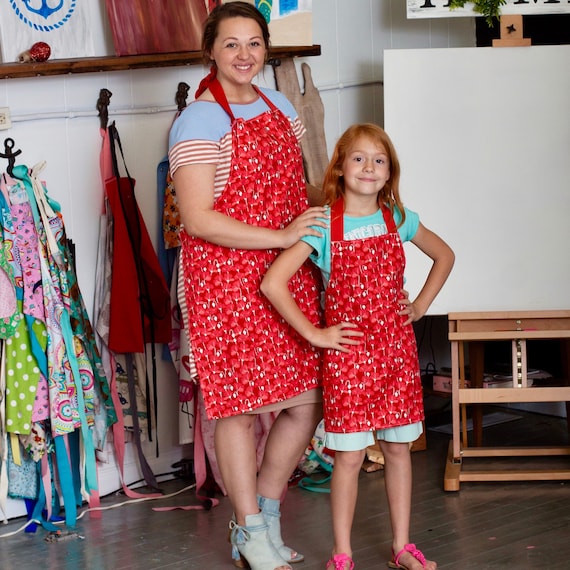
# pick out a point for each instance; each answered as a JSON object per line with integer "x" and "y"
{"x": 377, "y": 385}
{"x": 247, "y": 356}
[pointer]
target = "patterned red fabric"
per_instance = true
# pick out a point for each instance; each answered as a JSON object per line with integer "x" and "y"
{"x": 377, "y": 385}
{"x": 246, "y": 355}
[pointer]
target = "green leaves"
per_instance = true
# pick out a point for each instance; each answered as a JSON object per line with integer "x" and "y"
{"x": 490, "y": 9}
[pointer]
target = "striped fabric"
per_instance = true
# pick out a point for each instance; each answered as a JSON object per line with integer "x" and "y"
{"x": 210, "y": 152}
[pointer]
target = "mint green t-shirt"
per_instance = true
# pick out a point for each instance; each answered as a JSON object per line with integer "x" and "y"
{"x": 358, "y": 228}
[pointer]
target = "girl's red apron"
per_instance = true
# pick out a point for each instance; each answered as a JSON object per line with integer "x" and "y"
{"x": 246, "y": 355}
{"x": 377, "y": 385}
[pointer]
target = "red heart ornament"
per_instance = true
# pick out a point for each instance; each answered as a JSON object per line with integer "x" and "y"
{"x": 39, "y": 52}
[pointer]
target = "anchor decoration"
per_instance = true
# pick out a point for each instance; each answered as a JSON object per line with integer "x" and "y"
{"x": 45, "y": 10}
{"x": 33, "y": 31}
{"x": 44, "y": 15}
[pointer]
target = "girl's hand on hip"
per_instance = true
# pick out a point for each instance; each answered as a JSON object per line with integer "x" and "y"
{"x": 408, "y": 308}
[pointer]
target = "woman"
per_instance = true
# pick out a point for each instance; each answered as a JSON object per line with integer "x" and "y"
{"x": 238, "y": 173}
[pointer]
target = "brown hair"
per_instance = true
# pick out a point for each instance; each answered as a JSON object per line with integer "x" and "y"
{"x": 333, "y": 182}
{"x": 230, "y": 10}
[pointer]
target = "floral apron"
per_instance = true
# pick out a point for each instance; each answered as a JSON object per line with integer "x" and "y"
{"x": 247, "y": 356}
{"x": 377, "y": 385}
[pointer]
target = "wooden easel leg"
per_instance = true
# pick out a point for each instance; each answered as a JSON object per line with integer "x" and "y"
{"x": 565, "y": 348}
{"x": 452, "y": 471}
{"x": 476, "y": 373}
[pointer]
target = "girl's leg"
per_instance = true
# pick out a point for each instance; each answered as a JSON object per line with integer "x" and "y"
{"x": 398, "y": 482}
{"x": 344, "y": 492}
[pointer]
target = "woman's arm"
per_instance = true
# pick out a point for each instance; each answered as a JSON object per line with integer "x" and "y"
{"x": 275, "y": 287}
{"x": 194, "y": 186}
{"x": 443, "y": 258}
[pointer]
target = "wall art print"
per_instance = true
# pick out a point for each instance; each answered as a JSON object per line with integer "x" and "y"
{"x": 290, "y": 21}
{"x": 440, "y": 8}
{"x": 62, "y": 24}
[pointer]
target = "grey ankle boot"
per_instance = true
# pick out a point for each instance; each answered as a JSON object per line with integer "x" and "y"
{"x": 271, "y": 509}
{"x": 252, "y": 542}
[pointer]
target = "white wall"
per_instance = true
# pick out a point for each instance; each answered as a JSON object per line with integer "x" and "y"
{"x": 54, "y": 119}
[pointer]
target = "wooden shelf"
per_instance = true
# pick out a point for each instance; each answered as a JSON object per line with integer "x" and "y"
{"x": 125, "y": 62}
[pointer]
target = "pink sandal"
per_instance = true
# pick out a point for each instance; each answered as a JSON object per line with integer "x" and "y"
{"x": 339, "y": 561}
{"x": 411, "y": 548}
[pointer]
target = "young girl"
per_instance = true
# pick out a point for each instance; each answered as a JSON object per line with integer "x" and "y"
{"x": 372, "y": 380}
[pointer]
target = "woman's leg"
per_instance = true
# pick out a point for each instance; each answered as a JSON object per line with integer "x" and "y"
{"x": 344, "y": 492}
{"x": 237, "y": 459}
{"x": 398, "y": 482}
{"x": 234, "y": 442}
{"x": 288, "y": 438}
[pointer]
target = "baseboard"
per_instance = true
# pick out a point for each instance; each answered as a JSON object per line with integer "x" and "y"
{"x": 108, "y": 473}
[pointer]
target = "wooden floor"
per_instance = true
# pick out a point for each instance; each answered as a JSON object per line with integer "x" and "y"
{"x": 482, "y": 526}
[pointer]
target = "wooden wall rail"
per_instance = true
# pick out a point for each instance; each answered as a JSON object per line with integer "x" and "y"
{"x": 122, "y": 63}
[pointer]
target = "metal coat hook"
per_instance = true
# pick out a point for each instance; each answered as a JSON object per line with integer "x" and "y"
{"x": 103, "y": 107}
{"x": 10, "y": 154}
{"x": 182, "y": 95}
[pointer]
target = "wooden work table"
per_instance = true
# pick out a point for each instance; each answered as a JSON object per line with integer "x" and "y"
{"x": 519, "y": 327}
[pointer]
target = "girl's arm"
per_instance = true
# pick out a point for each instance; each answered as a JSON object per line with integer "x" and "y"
{"x": 275, "y": 287}
{"x": 195, "y": 194}
{"x": 443, "y": 258}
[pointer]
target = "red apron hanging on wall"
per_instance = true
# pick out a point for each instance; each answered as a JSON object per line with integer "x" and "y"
{"x": 140, "y": 299}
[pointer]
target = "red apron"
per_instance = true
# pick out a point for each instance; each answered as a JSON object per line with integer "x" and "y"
{"x": 377, "y": 385}
{"x": 246, "y": 355}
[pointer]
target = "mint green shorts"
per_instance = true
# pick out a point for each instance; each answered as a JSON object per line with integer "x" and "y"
{"x": 362, "y": 439}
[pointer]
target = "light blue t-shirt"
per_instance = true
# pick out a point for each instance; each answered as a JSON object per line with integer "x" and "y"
{"x": 358, "y": 228}
{"x": 206, "y": 120}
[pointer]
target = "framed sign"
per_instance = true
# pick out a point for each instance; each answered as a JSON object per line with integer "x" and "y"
{"x": 440, "y": 8}
{"x": 62, "y": 24}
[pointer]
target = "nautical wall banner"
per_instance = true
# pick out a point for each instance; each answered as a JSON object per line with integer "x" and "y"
{"x": 62, "y": 24}
{"x": 440, "y": 8}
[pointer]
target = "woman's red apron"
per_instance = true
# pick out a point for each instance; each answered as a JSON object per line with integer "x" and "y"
{"x": 377, "y": 385}
{"x": 246, "y": 355}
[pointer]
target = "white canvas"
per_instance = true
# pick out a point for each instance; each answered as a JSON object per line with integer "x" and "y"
{"x": 62, "y": 24}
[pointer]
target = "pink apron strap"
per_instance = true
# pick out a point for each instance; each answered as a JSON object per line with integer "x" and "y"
{"x": 199, "y": 471}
